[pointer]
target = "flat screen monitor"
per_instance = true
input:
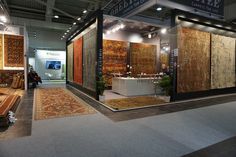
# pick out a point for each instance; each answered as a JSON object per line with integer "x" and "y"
{"x": 56, "y": 65}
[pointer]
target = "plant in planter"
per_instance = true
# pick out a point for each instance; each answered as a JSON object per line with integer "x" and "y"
{"x": 165, "y": 84}
{"x": 101, "y": 85}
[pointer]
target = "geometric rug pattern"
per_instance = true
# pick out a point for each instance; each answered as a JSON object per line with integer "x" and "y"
{"x": 56, "y": 102}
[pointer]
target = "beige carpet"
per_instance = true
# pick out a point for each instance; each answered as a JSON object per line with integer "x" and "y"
{"x": 134, "y": 102}
{"x": 58, "y": 102}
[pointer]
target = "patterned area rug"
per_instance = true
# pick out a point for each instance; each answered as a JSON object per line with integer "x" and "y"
{"x": 134, "y": 102}
{"x": 58, "y": 102}
{"x": 8, "y": 91}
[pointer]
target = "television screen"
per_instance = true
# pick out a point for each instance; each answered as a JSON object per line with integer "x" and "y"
{"x": 56, "y": 65}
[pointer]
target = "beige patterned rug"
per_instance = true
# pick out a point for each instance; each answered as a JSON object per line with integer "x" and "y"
{"x": 58, "y": 102}
{"x": 134, "y": 102}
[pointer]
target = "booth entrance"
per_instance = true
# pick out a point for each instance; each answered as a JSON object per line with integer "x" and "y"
{"x": 135, "y": 59}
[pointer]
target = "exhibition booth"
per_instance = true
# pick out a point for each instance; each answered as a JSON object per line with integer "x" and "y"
{"x": 130, "y": 61}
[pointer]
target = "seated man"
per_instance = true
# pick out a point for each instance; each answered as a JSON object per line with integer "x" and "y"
{"x": 34, "y": 78}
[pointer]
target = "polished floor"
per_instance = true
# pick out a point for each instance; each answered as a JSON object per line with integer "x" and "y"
{"x": 165, "y": 132}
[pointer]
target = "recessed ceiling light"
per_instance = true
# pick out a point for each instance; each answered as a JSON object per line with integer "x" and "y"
{"x": 149, "y": 35}
{"x": 63, "y": 36}
{"x": 70, "y": 28}
{"x": 122, "y": 26}
{"x": 79, "y": 18}
{"x": 163, "y": 30}
{"x": 74, "y": 23}
{"x": 65, "y": 33}
{"x": 159, "y": 9}
{"x": 67, "y": 30}
{"x": 85, "y": 11}
{"x": 3, "y": 19}
{"x": 56, "y": 16}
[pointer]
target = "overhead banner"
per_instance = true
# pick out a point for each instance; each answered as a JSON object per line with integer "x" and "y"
{"x": 124, "y": 7}
{"x": 211, "y": 6}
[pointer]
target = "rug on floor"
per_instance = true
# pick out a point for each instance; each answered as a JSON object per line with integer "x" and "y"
{"x": 134, "y": 102}
{"x": 58, "y": 102}
{"x": 11, "y": 91}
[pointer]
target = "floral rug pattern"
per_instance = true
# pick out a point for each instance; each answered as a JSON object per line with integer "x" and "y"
{"x": 58, "y": 102}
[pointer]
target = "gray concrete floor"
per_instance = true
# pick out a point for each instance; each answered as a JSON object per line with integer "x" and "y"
{"x": 168, "y": 135}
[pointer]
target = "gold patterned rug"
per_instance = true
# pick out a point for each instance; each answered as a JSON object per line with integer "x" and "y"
{"x": 58, "y": 102}
{"x": 134, "y": 102}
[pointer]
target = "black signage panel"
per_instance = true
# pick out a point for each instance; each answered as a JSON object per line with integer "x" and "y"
{"x": 125, "y": 6}
{"x": 210, "y": 6}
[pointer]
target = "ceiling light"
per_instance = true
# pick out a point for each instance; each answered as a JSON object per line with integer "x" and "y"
{"x": 122, "y": 26}
{"x": 70, "y": 28}
{"x": 63, "y": 36}
{"x": 68, "y": 31}
{"x": 85, "y": 11}
{"x": 159, "y": 9}
{"x": 108, "y": 32}
{"x": 74, "y": 23}
{"x": 3, "y": 19}
{"x": 79, "y": 18}
{"x": 149, "y": 35}
{"x": 56, "y": 16}
{"x": 163, "y": 30}
{"x": 65, "y": 33}
{"x": 113, "y": 30}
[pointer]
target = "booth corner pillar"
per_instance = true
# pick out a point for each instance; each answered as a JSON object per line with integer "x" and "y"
{"x": 173, "y": 57}
{"x": 99, "y": 47}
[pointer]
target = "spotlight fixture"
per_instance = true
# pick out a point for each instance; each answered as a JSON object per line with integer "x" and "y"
{"x": 63, "y": 36}
{"x": 159, "y": 9}
{"x": 149, "y": 35}
{"x": 122, "y": 26}
{"x": 163, "y": 30}
{"x": 74, "y": 23}
{"x": 68, "y": 31}
{"x": 79, "y": 18}
{"x": 3, "y": 19}
{"x": 65, "y": 33}
{"x": 56, "y": 16}
{"x": 85, "y": 11}
{"x": 70, "y": 28}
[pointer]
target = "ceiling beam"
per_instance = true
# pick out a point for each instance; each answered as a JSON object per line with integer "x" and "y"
{"x": 25, "y": 9}
{"x": 56, "y": 9}
{"x": 39, "y": 24}
{"x": 49, "y": 11}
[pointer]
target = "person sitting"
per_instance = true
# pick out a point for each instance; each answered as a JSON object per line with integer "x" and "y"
{"x": 34, "y": 78}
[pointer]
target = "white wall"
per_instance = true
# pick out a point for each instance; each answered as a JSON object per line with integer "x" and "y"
{"x": 41, "y": 56}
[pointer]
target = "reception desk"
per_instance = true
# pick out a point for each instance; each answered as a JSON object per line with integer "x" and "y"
{"x": 134, "y": 86}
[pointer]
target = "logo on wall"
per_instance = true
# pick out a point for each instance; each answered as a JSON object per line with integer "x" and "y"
{"x": 211, "y": 6}
{"x": 124, "y": 7}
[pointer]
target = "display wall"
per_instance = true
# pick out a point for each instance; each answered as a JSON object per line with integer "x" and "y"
{"x": 222, "y": 61}
{"x": 89, "y": 59}
{"x": 13, "y": 51}
{"x": 45, "y": 57}
{"x": 1, "y": 51}
{"x": 193, "y": 72}
{"x": 70, "y": 49}
{"x": 143, "y": 58}
{"x": 114, "y": 58}
{"x": 78, "y": 61}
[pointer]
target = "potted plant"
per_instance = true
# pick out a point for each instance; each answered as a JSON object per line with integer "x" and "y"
{"x": 101, "y": 85}
{"x": 165, "y": 84}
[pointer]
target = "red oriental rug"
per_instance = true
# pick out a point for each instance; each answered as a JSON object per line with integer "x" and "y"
{"x": 58, "y": 102}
